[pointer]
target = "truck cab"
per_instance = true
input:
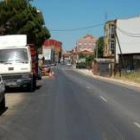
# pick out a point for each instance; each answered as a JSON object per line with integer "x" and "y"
{"x": 16, "y": 62}
{"x": 2, "y": 94}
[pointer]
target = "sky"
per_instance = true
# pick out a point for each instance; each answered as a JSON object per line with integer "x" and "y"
{"x": 68, "y": 20}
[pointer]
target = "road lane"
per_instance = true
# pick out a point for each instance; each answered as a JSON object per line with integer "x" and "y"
{"x": 123, "y": 101}
{"x": 123, "y": 97}
{"x": 71, "y": 107}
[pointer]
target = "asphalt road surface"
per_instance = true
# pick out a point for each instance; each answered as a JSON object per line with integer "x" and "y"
{"x": 72, "y": 106}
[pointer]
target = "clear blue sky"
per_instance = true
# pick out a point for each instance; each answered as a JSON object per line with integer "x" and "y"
{"x": 70, "y": 14}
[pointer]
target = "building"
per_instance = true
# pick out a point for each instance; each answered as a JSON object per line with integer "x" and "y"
{"x": 74, "y": 55}
{"x": 67, "y": 57}
{"x": 56, "y": 46}
{"x": 109, "y": 42}
{"x": 122, "y": 43}
{"x": 86, "y": 45}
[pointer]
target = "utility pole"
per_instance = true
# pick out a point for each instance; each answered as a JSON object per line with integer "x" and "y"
{"x": 97, "y": 51}
{"x": 121, "y": 54}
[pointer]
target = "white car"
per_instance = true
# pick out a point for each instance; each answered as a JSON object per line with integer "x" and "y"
{"x": 2, "y": 94}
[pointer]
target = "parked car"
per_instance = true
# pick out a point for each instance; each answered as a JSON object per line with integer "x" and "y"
{"x": 2, "y": 94}
{"x": 81, "y": 65}
{"x": 53, "y": 64}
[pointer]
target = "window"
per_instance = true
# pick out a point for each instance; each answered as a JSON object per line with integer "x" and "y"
{"x": 89, "y": 43}
{"x": 112, "y": 31}
{"x": 80, "y": 44}
{"x": 18, "y": 54}
{"x": 111, "y": 47}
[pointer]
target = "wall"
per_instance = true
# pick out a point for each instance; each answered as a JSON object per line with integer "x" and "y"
{"x": 128, "y": 32}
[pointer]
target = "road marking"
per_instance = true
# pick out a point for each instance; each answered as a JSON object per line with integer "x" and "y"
{"x": 103, "y": 99}
{"x": 137, "y": 124}
{"x": 88, "y": 87}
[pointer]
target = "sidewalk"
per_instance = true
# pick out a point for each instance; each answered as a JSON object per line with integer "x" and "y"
{"x": 87, "y": 72}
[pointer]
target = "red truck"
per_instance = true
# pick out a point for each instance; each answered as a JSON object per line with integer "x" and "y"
{"x": 34, "y": 58}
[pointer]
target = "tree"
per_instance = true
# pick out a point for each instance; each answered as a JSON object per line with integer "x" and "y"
{"x": 19, "y": 17}
{"x": 81, "y": 55}
{"x": 89, "y": 60}
{"x": 99, "y": 46}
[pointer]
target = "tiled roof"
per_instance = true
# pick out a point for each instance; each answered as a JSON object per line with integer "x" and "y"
{"x": 52, "y": 42}
{"x": 88, "y": 38}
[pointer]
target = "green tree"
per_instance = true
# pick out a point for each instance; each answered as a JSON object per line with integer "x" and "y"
{"x": 81, "y": 55}
{"x": 89, "y": 60}
{"x": 99, "y": 46}
{"x": 19, "y": 17}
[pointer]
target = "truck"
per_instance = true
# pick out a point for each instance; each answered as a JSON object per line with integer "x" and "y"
{"x": 18, "y": 62}
{"x": 2, "y": 94}
{"x": 48, "y": 54}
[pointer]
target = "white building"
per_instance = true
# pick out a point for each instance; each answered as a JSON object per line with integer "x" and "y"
{"x": 128, "y": 32}
{"x": 122, "y": 42}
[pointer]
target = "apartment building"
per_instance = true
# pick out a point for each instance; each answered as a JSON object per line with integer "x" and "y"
{"x": 110, "y": 40}
{"x": 86, "y": 45}
{"x": 122, "y": 42}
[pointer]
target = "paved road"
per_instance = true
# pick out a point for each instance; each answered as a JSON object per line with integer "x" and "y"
{"x": 72, "y": 106}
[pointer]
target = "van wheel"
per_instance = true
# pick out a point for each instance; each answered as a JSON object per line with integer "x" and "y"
{"x": 2, "y": 104}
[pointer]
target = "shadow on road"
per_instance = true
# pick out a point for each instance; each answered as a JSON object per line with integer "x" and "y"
{"x": 21, "y": 90}
{"x": 13, "y": 90}
{"x": 16, "y": 90}
{"x": 38, "y": 87}
{"x": 2, "y": 111}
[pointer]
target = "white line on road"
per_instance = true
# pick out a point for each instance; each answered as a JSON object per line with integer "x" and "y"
{"x": 88, "y": 87}
{"x": 137, "y": 124}
{"x": 105, "y": 100}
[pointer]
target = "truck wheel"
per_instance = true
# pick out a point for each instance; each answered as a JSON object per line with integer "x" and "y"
{"x": 34, "y": 83}
{"x": 30, "y": 87}
{"x": 2, "y": 104}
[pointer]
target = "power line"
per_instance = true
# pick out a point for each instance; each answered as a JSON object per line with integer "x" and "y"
{"x": 76, "y": 29}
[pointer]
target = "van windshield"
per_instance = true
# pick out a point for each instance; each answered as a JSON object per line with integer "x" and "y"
{"x": 14, "y": 55}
